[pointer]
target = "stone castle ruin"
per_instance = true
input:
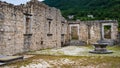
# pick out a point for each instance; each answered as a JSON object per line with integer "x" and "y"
{"x": 35, "y": 26}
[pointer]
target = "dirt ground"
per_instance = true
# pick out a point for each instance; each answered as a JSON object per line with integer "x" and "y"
{"x": 69, "y": 57}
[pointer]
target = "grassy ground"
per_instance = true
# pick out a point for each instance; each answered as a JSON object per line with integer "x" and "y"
{"x": 62, "y": 61}
{"x": 78, "y": 51}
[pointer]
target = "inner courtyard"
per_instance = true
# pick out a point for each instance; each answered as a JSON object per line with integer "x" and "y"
{"x": 35, "y": 35}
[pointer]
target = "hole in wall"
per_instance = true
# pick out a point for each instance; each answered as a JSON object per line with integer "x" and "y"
{"x": 41, "y": 42}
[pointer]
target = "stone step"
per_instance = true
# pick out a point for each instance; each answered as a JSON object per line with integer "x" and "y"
{"x": 2, "y": 64}
{"x": 7, "y": 59}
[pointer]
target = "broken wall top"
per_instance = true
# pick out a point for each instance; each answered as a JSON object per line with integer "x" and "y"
{"x": 94, "y": 21}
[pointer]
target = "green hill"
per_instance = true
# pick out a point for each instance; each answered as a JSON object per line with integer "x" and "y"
{"x": 100, "y": 9}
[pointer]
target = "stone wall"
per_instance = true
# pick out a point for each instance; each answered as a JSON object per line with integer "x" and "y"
{"x": 64, "y": 33}
{"x": 12, "y": 29}
{"x": 92, "y": 31}
{"x": 35, "y": 26}
{"x": 28, "y": 27}
{"x": 118, "y": 38}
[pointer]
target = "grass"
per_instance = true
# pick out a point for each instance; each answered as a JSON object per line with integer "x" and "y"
{"x": 116, "y": 48}
{"x": 95, "y": 61}
{"x": 78, "y": 61}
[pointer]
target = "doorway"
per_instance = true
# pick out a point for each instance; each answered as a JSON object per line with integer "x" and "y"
{"x": 74, "y": 32}
{"x": 107, "y": 31}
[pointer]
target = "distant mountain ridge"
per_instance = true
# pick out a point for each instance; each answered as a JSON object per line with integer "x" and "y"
{"x": 100, "y": 9}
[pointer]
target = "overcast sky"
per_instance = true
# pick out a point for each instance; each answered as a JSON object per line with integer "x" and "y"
{"x": 17, "y": 2}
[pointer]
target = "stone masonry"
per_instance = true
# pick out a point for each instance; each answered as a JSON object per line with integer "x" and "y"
{"x": 34, "y": 26}
{"x": 28, "y": 27}
{"x": 92, "y": 31}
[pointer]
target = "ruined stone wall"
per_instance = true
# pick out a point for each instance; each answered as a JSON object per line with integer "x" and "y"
{"x": 13, "y": 29}
{"x": 46, "y": 27}
{"x": 58, "y": 29}
{"x": 64, "y": 26}
{"x": 42, "y": 31}
{"x": 92, "y": 31}
{"x": 89, "y": 31}
{"x": 115, "y": 30}
{"x": 1, "y": 30}
{"x": 83, "y": 32}
{"x": 38, "y": 20}
{"x": 35, "y": 26}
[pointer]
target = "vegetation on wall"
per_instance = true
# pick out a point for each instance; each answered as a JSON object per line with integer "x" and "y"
{"x": 100, "y": 9}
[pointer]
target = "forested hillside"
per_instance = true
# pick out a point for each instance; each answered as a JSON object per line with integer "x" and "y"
{"x": 100, "y": 9}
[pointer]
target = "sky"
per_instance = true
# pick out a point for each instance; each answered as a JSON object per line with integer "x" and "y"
{"x": 17, "y": 2}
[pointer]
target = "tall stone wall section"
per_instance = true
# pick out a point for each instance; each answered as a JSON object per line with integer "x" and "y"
{"x": 64, "y": 32}
{"x": 38, "y": 21}
{"x": 12, "y": 30}
{"x": 46, "y": 27}
{"x": 44, "y": 32}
